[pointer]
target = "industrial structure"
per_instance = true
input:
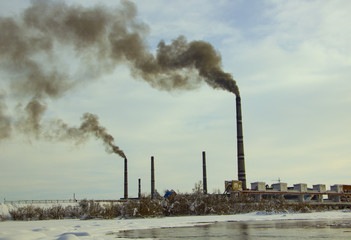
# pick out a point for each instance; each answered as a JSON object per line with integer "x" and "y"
{"x": 125, "y": 178}
{"x": 152, "y": 178}
{"x": 259, "y": 190}
{"x": 240, "y": 144}
{"x": 153, "y": 190}
{"x": 301, "y": 192}
{"x": 204, "y": 174}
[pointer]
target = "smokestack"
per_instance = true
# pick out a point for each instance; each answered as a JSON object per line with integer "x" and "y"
{"x": 139, "y": 191}
{"x": 125, "y": 179}
{"x": 204, "y": 177}
{"x": 240, "y": 142}
{"x": 152, "y": 178}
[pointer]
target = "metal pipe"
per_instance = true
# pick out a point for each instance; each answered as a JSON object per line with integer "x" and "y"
{"x": 204, "y": 177}
{"x": 125, "y": 179}
{"x": 240, "y": 144}
{"x": 152, "y": 178}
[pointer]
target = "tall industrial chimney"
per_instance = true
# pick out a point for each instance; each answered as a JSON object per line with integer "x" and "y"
{"x": 152, "y": 178}
{"x": 125, "y": 179}
{"x": 240, "y": 142}
{"x": 204, "y": 177}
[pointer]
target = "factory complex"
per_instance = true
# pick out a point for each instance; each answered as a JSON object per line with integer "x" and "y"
{"x": 299, "y": 192}
{"x": 259, "y": 190}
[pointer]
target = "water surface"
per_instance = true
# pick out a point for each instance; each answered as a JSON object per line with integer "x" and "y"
{"x": 250, "y": 230}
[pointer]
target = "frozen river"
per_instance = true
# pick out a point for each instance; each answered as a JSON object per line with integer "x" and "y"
{"x": 255, "y": 225}
{"x": 281, "y": 229}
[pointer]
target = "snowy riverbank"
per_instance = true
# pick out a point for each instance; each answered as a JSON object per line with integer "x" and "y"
{"x": 102, "y": 229}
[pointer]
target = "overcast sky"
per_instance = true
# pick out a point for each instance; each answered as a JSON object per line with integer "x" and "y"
{"x": 291, "y": 61}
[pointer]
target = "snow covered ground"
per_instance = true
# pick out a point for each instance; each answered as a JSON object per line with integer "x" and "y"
{"x": 104, "y": 229}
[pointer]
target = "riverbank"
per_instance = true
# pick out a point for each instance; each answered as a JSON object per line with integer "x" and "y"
{"x": 180, "y": 205}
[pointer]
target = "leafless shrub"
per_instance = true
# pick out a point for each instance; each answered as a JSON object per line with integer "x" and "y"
{"x": 150, "y": 207}
{"x": 3, "y": 218}
{"x": 196, "y": 203}
{"x": 90, "y": 209}
{"x": 72, "y": 212}
{"x": 111, "y": 210}
{"x": 27, "y": 213}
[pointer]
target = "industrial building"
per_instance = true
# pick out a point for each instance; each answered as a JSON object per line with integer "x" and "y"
{"x": 299, "y": 192}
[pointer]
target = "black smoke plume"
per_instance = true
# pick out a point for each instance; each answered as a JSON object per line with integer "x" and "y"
{"x": 5, "y": 121}
{"x": 89, "y": 126}
{"x": 99, "y": 38}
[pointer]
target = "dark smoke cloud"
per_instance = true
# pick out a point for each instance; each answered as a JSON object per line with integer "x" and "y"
{"x": 29, "y": 118}
{"x": 90, "y": 126}
{"x": 5, "y": 122}
{"x": 100, "y": 38}
{"x": 196, "y": 54}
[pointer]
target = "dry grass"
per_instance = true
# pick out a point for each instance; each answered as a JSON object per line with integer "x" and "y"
{"x": 180, "y": 205}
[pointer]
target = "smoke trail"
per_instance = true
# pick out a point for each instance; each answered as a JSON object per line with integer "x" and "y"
{"x": 196, "y": 54}
{"x": 90, "y": 126}
{"x": 98, "y": 38}
{"x": 5, "y": 123}
{"x": 28, "y": 120}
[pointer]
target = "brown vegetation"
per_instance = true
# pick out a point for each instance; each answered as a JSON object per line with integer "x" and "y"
{"x": 180, "y": 205}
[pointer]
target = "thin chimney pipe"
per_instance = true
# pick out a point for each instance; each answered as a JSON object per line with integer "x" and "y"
{"x": 139, "y": 189}
{"x": 152, "y": 178}
{"x": 125, "y": 179}
{"x": 204, "y": 176}
{"x": 240, "y": 144}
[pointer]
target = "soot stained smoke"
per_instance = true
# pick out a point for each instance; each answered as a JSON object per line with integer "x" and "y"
{"x": 89, "y": 126}
{"x": 5, "y": 121}
{"x": 100, "y": 38}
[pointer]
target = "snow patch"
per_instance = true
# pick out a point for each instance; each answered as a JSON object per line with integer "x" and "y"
{"x": 68, "y": 237}
{"x": 72, "y": 235}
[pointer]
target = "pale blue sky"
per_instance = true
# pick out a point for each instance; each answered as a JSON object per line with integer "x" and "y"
{"x": 291, "y": 60}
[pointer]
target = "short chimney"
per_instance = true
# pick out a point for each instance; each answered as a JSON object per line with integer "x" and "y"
{"x": 125, "y": 179}
{"x": 152, "y": 178}
{"x": 204, "y": 177}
